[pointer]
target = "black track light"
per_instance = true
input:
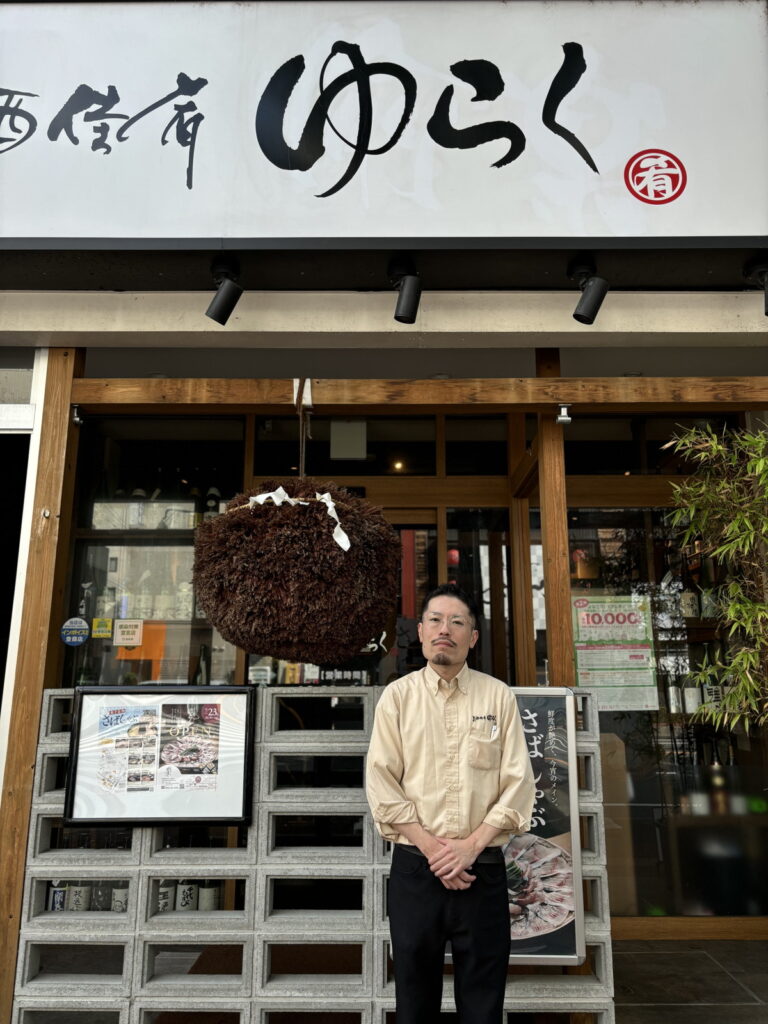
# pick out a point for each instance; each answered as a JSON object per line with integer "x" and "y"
{"x": 228, "y": 292}
{"x": 403, "y": 276}
{"x": 756, "y": 272}
{"x": 593, "y": 289}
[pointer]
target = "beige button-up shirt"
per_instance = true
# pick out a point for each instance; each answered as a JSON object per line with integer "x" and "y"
{"x": 450, "y": 756}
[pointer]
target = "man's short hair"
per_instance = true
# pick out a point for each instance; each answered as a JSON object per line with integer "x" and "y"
{"x": 452, "y": 590}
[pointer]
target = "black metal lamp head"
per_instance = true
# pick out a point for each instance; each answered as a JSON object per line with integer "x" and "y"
{"x": 225, "y": 273}
{"x": 756, "y": 272}
{"x": 593, "y": 289}
{"x": 403, "y": 276}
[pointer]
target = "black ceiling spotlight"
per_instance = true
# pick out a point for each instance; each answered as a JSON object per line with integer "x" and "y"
{"x": 403, "y": 276}
{"x": 593, "y": 289}
{"x": 225, "y": 272}
{"x": 756, "y": 272}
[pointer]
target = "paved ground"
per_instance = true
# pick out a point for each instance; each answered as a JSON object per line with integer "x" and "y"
{"x": 691, "y": 982}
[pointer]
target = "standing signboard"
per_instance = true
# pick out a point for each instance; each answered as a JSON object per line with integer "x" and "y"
{"x": 544, "y": 865}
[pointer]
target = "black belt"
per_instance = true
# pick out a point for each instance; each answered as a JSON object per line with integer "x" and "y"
{"x": 490, "y": 855}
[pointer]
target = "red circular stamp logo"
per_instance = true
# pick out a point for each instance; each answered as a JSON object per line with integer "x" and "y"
{"x": 655, "y": 176}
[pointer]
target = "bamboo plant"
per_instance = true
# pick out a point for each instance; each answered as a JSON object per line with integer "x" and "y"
{"x": 724, "y": 504}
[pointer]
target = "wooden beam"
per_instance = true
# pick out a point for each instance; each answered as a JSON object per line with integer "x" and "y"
{"x": 499, "y": 632}
{"x": 620, "y": 491}
{"x": 38, "y": 653}
{"x": 524, "y": 478}
{"x": 590, "y": 394}
{"x": 689, "y": 928}
{"x": 554, "y": 537}
{"x": 519, "y": 462}
{"x": 524, "y": 670}
{"x": 397, "y": 491}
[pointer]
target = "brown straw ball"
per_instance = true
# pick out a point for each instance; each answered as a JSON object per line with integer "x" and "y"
{"x": 273, "y": 581}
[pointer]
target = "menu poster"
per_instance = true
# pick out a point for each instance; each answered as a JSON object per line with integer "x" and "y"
{"x": 613, "y": 642}
{"x": 143, "y": 754}
{"x": 544, "y": 864}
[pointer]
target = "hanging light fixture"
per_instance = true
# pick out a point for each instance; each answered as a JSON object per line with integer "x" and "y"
{"x": 225, "y": 271}
{"x": 593, "y": 289}
{"x": 403, "y": 276}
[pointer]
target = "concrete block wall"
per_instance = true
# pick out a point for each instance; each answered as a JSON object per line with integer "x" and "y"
{"x": 100, "y": 967}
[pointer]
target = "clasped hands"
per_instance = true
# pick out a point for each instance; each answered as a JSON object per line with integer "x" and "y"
{"x": 449, "y": 861}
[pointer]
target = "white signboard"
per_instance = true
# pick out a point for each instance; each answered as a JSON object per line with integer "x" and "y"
{"x": 613, "y": 640}
{"x": 269, "y": 123}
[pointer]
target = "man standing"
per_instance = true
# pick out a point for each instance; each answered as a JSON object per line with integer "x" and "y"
{"x": 449, "y": 780}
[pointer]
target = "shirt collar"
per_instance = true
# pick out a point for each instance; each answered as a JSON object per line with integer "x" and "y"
{"x": 432, "y": 679}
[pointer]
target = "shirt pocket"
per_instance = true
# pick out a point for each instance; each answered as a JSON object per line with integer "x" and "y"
{"x": 484, "y": 752}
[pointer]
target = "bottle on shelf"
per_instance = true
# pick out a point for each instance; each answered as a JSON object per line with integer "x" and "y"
{"x": 79, "y": 896}
{"x": 159, "y": 488}
{"x": 166, "y": 895}
{"x": 57, "y": 895}
{"x": 708, "y": 604}
{"x": 717, "y": 783}
{"x": 691, "y": 697}
{"x": 101, "y": 895}
{"x": 737, "y": 801}
{"x": 209, "y": 894}
{"x": 195, "y": 495}
{"x": 135, "y": 518}
{"x": 698, "y": 796}
{"x": 187, "y": 894}
{"x": 689, "y": 602}
{"x": 119, "y": 904}
{"x": 672, "y": 694}
{"x": 212, "y": 499}
{"x": 202, "y": 676}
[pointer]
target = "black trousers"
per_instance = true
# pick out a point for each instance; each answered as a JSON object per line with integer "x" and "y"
{"x": 423, "y": 916}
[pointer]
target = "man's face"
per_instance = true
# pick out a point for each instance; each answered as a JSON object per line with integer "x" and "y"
{"x": 446, "y": 632}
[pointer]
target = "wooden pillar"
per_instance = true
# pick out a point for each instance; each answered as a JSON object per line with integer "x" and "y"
{"x": 38, "y": 654}
{"x": 524, "y": 668}
{"x": 554, "y": 536}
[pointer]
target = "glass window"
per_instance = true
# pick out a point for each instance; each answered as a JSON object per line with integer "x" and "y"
{"x": 475, "y": 445}
{"x": 618, "y": 445}
{"x": 477, "y": 560}
{"x": 395, "y": 446}
{"x": 156, "y": 474}
{"x": 143, "y": 485}
{"x": 685, "y": 804}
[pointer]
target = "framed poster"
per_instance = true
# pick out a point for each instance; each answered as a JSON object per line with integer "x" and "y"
{"x": 544, "y": 865}
{"x": 151, "y": 754}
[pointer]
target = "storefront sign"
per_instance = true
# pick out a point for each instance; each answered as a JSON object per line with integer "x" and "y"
{"x": 265, "y": 123}
{"x": 613, "y": 640}
{"x": 142, "y": 754}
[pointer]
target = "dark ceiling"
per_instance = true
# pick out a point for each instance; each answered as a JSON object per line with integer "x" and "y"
{"x": 660, "y": 269}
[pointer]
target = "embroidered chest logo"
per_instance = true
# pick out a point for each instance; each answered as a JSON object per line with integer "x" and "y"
{"x": 483, "y": 718}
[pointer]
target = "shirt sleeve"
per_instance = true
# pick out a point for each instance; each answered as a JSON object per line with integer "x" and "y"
{"x": 384, "y": 771}
{"x": 512, "y": 811}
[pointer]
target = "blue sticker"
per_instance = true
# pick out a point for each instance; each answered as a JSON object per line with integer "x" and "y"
{"x": 74, "y": 632}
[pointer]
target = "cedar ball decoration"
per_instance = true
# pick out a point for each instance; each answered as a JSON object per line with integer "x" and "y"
{"x": 273, "y": 580}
